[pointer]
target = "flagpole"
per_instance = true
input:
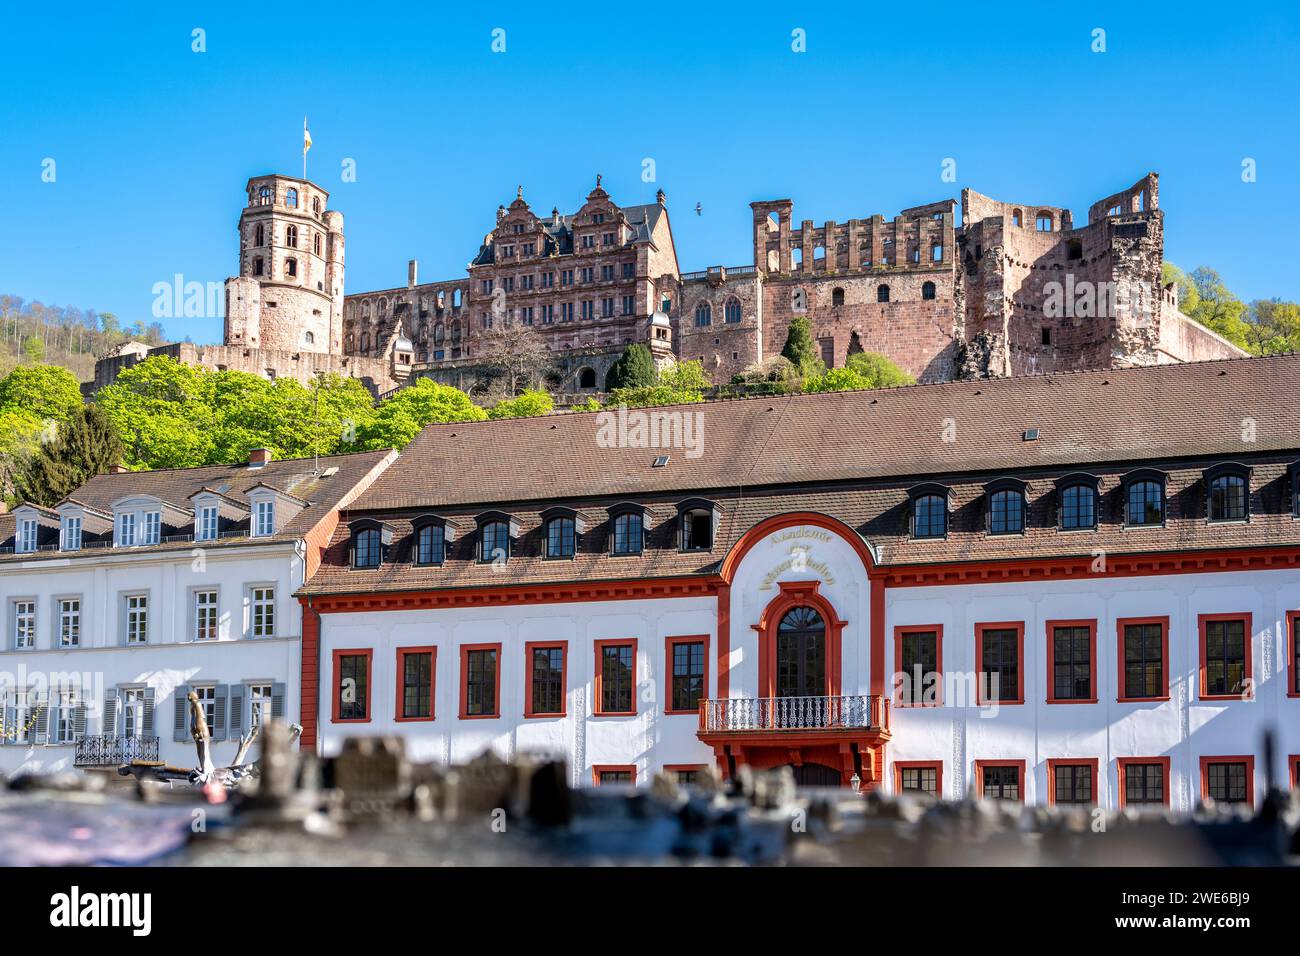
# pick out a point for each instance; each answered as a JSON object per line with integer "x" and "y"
{"x": 304, "y": 148}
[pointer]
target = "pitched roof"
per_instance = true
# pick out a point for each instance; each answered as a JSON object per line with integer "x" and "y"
{"x": 1229, "y": 407}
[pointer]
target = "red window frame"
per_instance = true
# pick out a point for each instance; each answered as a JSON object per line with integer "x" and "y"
{"x": 598, "y": 679}
{"x": 1293, "y": 762}
{"x": 1019, "y": 628}
{"x": 1120, "y": 624}
{"x": 402, "y": 654}
{"x": 529, "y": 647}
{"x": 979, "y": 774}
{"x": 1050, "y": 652}
{"x": 1247, "y": 759}
{"x": 598, "y": 769}
{"x": 669, "y": 644}
{"x": 899, "y": 633}
{"x": 935, "y": 765}
{"x": 464, "y": 680}
{"x": 1121, "y": 763}
{"x": 1292, "y": 622}
{"x": 1090, "y": 762}
{"x": 1248, "y": 674}
{"x": 368, "y": 653}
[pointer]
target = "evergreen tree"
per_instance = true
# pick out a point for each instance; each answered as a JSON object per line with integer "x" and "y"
{"x": 635, "y": 368}
{"x": 85, "y": 446}
{"x": 799, "y": 346}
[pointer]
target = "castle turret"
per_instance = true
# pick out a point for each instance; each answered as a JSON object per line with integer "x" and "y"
{"x": 289, "y": 291}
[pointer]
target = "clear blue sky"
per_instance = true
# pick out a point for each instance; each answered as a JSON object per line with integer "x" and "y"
{"x": 153, "y": 142}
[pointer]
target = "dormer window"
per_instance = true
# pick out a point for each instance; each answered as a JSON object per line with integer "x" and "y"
{"x": 628, "y": 526}
{"x": 205, "y": 527}
{"x": 1006, "y": 506}
{"x": 561, "y": 538}
{"x": 70, "y": 533}
{"x": 264, "y": 518}
{"x": 126, "y": 530}
{"x": 152, "y": 527}
{"x": 1227, "y": 491}
{"x": 1076, "y": 503}
{"x": 697, "y": 519}
{"x": 494, "y": 541}
{"x": 430, "y": 543}
{"x": 929, "y": 510}
{"x": 1144, "y": 498}
{"x": 26, "y": 538}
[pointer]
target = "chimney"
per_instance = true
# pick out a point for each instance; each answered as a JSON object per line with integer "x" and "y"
{"x": 118, "y": 469}
{"x": 258, "y": 457}
{"x": 412, "y": 270}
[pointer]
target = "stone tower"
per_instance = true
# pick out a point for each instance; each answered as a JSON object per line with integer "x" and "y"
{"x": 288, "y": 295}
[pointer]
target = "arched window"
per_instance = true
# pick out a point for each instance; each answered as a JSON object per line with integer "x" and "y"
{"x": 587, "y": 378}
{"x": 696, "y": 519}
{"x": 629, "y": 534}
{"x": 308, "y": 338}
{"x": 291, "y": 198}
{"x": 1144, "y": 499}
{"x": 927, "y": 290}
{"x": 837, "y": 296}
{"x": 259, "y": 235}
{"x": 367, "y": 549}
{"x": 430, "y": 543}
{"x": 315, "y": 242}
{"x": 703, "y": 314}
{"x": 1044, "y": 221}
{"x": 315, "y": 205}
{"x": 731, "y": 311}
{"x": 439, "y": 331}
{"x": 801, "y": 654}
{"x": 264, "y": 196}
{"x": 882, "y": 293}
{"x": 1078, "y": 507}
{"x": 1006, "y": 506}
{"x": 455, "y": 333}
{"x": 930, "y": 516}
{"x": 494, "y": 542}
{"x": 561, "y": 539}
{"x": 291, "y": 236}
{"x": 1228, "y": 491}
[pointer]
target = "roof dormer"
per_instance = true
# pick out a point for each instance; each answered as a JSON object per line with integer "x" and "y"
{"x": 270, "y": 510}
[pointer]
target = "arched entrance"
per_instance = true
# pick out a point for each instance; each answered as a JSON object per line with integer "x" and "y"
{"x": 801, "y": 654}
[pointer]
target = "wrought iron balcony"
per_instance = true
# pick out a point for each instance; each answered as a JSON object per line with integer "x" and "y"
{"x": 867, "y": 712}
{"x": 107, "y": 750}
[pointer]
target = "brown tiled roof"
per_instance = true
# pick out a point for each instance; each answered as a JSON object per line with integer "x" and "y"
{"x": 1228, "y": 408}
{"x": 174, "y": 486}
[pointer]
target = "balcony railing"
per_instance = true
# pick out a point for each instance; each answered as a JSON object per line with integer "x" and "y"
{"x": 855, "y": 712}
{"x": 106, "y": 750}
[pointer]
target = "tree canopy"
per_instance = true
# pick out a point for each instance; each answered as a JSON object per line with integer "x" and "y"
{"x": 635, "y": 368}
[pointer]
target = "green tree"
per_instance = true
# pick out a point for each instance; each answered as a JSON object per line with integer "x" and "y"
{"x": 162, "y": 412}
{"x": 635, "y": 368}
{"x": 527, "y": 405}
{"x": 401, "y": 417}
{"x": 42, "y": 391}
{"x": 1216, "y": 308}
{"x": 678, "y": 384}
{"x": 1274, "y": 327}
{"x": 863, "y": 370}
{"x": 800, "y": 348}
{"x": 87, "y": 445}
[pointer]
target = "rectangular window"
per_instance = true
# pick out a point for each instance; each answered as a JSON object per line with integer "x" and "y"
{"x": 548, "y": 280}
{"x": 27, "y": 536}
{"x": 615, "y": 774}
{"x": 480, "y": 680}
{"x": 566, "y": 277}
{"x": 686, "y": 774}
{"x": 137, "y": 618}
{"x": 1071, "y": 662}
{"x": 1144, "y": 658}
{"x": 588, "y": 309}
{"x": 430, "y": 544}
{"x": 1072, "y": 781}
{"x": 588, "y": 275}
{"x": 1225, "y": 656}
{"x": 71, "y": 534}
{"x": 205, "y": 615}
{"x": 629, "y": 305}
{"x": 629, "y": 270}
{"x": 999, "y": 662}
{"x": 918, "y": 655}
{"x": 126, "y": 531}
{"x": 352, "y": 685}
{"x": 566, "y": 311}
{"x": 207, "y": 523}
{"x": 688, "y": 673}
{"x": 206, "y": 693}
{"x": 606, "y": 273}
{"x": 918, "y": 776}
{"x": 262, "y": 608}
{"x": 546, "y": 669}
{"x": 1143, "y": 781}
{"x": 152, "y": 527}
{"x": 1228, "y": 779}
{"x": 24, "y": 618}
{"x": 63, "y": 719}
{"x": 1293, "y": 657}
{"x": 607, "y": 307}
{"x": 260, "y": 706}
{"x": 69, "y": 622}
{"x": 265, "y": 518}
{"x": 1001, "y": 779}
{"x": 415, "y": 670}
{"x": 615, "y": 677}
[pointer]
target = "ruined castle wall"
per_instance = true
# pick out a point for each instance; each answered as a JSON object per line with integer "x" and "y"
{"x": 723, "y": 348}
{"x": 1183, "y": 339}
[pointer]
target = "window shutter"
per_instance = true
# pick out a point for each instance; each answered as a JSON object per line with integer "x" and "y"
{"x": 181, "y": 727}
{"x": 148, "y": 712}
{"x": 79, "y": 720}
{"x": 236, "y": 711}
{"x": 277, "y": 701}
{"x": 109, "y": 722}
{"x": 219, "y": 712}
{"x": 42, "y": 728}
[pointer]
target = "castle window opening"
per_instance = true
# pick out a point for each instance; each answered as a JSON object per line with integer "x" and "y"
{"x": 1047, "y": 335}
{"x": 927, "y": 291}
{"x": 914, "y": 253}
{"x": 796, "y": 257}
{"x": 1016, "y": 218}
{"x": 291, "y": 236}
{"x": 1076, "y": 249}
{"x": 587, "y": 378}
{"x": 837, "y": 296}
{"x": 315, "y": 205}
{"x": 731, "y": 311}
{"x": 291, "y": 198}
{"x": 882, "y": 293}
{"x": 308, "y": 338}
{"x": 316, "y": 243}
{"x": 365, "y": 342}
{"x": 259, "y": 235}
{"x": 1141, "y": 201}
{"x": 257, "y": 266}
{"x": 291, "y": 267}
{"x": 703, "y": 315}
{"x": 819, "y": 253}
{"x": 936, "y": 252}
{"x": 1044, "y": 222}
